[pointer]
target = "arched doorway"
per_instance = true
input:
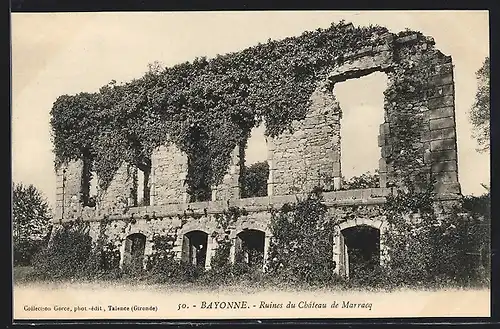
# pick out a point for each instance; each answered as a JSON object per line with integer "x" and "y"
{"x": 361, "y": 250}
{"x": 194, "y": 248}
{"x": 133, "y": 257}
{"x": 249, "y": 247}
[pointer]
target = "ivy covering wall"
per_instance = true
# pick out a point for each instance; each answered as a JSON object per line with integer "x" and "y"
{"x": 206, "y": 107}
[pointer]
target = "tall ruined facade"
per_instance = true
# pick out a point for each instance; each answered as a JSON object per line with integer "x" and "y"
{"x": 141, "y": 203}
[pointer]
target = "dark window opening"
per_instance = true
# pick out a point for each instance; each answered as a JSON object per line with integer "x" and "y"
{"x": 199, "y": 175}
{"x": 363, "y": 250}
{"x": 250, "y": 248}
{"x": 194, "y": 248}
{"x": 142, "y": 186}
{"x": 88, "y": 185}
{"x": 134, "y": 252}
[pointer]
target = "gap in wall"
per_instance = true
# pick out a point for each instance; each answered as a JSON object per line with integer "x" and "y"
{"x": 362, "y": 104}
{"x": 255, "y": 170}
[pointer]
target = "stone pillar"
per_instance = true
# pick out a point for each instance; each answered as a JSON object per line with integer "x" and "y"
{"x": 267, "y": 241}
{"x": 169, "y": 165}
{"x": 270, "y": 162}
{"x": 122, "y": 252}
{"x": 309, "y": 155}
{"x": 232, "y": 250}
{"x": 148, "y": 250}
{"x": 68, "y": 191}
{"x": 210, "y": 248}
{"x": 229, "y": 188}
{"x": 346, "y": 259}
{"x": 439, "y": 136}
{"x": 384, "y": 251}
{"x": 337, "y": 250}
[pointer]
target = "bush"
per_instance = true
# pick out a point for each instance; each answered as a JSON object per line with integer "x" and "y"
{"x": 24, "y": 251}
{"x": 301, "y": 249}
{"x": 437, "y": 249}
{"x": 67, "y": 254}
{"x": 253, "y": 180}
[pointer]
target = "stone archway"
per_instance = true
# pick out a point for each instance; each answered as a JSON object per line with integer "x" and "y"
{"x": 358, "y": 246}
{"x": 250, "y": 247}
{"x": 133, "y": 251}
{"x": 195, "y": 248}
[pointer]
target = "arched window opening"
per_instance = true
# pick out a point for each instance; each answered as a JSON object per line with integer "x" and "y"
{"x": 194, "y": 248}
{"x": 254, "y": 169}
{"x": 142, "y": 184}
{"x": 89, "y": 185}
{"x": 250, "y": 248}
{"x": 134, "y": 251}
{"x": 362, "y": 103}
{"x": 361, "y": 250}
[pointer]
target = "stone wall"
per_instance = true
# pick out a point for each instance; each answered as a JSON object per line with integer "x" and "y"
{"x": 310, "y": 155}
{"x": 168, "y": 173}
{"x": 229, "y": 188}
{"x": 118, "y": 196}
{"x": 307, "y": 156}
{"x": 68, "y": 191}
{"x": 361, "y": 207}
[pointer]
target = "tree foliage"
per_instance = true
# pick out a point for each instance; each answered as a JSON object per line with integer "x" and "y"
{"x": 31, "y": 215}
{"x": 366, "y": 180}
{"x": 253, "y": 180}
{"x": 480, "y": 111}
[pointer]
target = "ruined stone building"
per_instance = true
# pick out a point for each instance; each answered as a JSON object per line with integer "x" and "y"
{"x": 296, "y": 162}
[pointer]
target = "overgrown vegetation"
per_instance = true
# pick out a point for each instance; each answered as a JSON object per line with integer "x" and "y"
{"x": 253, "y": 180}
{"x": 366, "y": 180}
{"x": 424, "y": 250}
{"x": 480, "y": 112}
{"x": 206, "y": 107}
{"x": 301, "y": 247}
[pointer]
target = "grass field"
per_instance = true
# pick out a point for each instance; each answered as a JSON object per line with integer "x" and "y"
{"x": 186, "y": 301}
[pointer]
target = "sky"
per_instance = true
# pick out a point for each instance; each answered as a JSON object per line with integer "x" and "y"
{"x": 66, "y": 53}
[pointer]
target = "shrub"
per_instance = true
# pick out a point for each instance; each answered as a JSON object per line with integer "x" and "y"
{"x": 67, "y": 254}
{"x": 366, "y": 180}
{"x": 301, "y": 248}
{"x": 253, "y": 180}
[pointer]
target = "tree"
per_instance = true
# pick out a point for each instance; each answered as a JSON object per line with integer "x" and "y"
{"x": 480, "y": 111}
{"x": 254, "y": 180}
{"x": 31, "y": 215}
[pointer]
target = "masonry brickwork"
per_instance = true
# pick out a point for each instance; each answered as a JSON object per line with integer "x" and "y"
{"x": 307, "y": 156}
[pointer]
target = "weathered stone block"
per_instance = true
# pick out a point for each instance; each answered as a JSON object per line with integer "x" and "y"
{"x": 439, "y": 156}
{"x": 444, "y": 188}
{"x": 383, "y": 179}
{"x": 442, "y": 101}
{"x": 381, "y": 140}
{"x": 443, "y": 112}
{"x": 441, "y": 123}
{"x": 444, "y": 166}
{"x": 384, "y": 129}
{"x": 443, "y": 144}
{"x": 444, "y": 68}
{"x": 446, "y": 133}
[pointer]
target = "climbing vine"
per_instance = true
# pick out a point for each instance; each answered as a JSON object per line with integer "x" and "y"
{"x": 206, "y": 107}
